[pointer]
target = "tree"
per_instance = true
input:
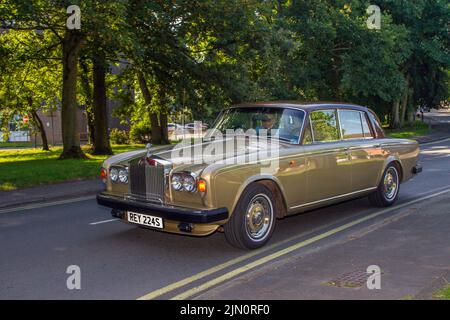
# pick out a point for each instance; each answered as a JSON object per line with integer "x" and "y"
{"x": 28, "y": 85}
{"x": 50, "y": 17}
{"x": 189, "y": 53}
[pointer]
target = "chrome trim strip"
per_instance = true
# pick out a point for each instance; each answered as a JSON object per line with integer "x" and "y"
{"x": 332, "y": 198}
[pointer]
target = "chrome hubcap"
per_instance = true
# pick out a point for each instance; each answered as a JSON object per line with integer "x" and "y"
{"x": 390, "y": 183}
{"x": 259, "y": 217}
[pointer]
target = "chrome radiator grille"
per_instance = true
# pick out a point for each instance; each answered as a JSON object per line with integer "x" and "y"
{"x": 147, "y": 181}
{"x": 137, "y": 178}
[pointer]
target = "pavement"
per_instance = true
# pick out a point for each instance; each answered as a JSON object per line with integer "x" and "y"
{"x": 51, "y": 192}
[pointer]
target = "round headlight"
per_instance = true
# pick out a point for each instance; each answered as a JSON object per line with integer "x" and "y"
{"x": 189, "y": 183}
{"x": 123, "y": 175}
{"x": 114, "y": 174}
{"x": 177, "y": 182}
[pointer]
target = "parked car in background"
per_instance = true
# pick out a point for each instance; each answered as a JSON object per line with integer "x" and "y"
{"x": 173, "y": 126}
{"x": 191, "y": 126}
{"x": 328, "y": 153}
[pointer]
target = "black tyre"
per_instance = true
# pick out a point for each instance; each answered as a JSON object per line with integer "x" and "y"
{"x": 387, "y": 191}
{"x": 253, "y": 220}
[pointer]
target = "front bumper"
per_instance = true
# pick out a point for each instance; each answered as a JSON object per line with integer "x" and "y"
{"x": 173, "y": 213}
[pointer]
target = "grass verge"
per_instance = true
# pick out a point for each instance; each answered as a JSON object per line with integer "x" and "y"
{"x": 443, "y": 294}
{"x": 32, "y": 167}
{"x": 417, "y": 129}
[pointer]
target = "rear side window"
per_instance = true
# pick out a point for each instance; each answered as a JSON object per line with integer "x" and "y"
{"x": 350, "y": 123}
{"x": 376, "y": 124}
{"x": 324, "y": 126}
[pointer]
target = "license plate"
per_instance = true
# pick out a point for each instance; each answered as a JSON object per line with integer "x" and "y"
{"x": 145, "y": 220}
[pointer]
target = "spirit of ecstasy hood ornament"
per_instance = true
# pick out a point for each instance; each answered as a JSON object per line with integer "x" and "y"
{"x": 150, "y": 161}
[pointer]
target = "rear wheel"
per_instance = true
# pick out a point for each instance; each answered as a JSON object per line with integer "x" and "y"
{"x": 253, "y": 220}
{"x": 387, "y": 191}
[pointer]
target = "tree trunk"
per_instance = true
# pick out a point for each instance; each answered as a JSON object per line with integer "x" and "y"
{"x": 395, "y": 119}
{"x": 41, "y": 129}
{"x": 156, "y": 128}
{"x": 86, "y": 86}
{"x": 72, "y": 43}
{"x": 102, "y": 144}
{"x": 280, "y": 8}
{"x": 38, "y": 123}
{"x": 404, "y": 105}
{"x": 411, "y": 112}
{"x": 163, "y": 120}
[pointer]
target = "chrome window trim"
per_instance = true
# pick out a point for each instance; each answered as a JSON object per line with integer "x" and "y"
{"x": 364, "y": 115}
{"x": 332, "y": 198}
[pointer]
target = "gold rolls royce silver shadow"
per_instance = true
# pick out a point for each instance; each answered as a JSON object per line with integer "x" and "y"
{"x": 260, "y": 162}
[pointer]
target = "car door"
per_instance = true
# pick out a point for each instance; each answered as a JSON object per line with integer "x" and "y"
{"x": 328, "y": 163}
{"x": 365, "y": 152}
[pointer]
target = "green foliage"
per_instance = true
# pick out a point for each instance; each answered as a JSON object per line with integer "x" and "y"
{"x": 443, "y": 294}
{"x": 205, "y": 55}
{"x": 119, "y": 136}
{"x": 140, "y": 132}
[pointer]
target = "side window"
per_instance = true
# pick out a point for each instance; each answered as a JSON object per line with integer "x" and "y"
{"x": 324, "y": 126}
{"x": 350, "y": 123}
{"x": 366, "y": 129}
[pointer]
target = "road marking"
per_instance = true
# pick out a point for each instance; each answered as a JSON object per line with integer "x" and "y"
{"x": 294, "y": 247}
{"x": 101, "y": 222}
{"x": 434, "y": 142}
{"x": 159, "y": 292}
{"x": 46, "y": 204}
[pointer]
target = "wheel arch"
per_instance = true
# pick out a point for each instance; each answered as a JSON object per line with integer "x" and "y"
{"x": 275, "y": 187}
{"x": 393, "y": 159}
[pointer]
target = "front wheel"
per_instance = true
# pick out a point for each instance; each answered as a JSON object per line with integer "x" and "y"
{"x": 387, "y": 191}
{"x": 253, "y": 220}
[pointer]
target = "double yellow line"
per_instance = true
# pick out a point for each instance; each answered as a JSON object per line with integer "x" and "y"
{"x": 220, "y": 279}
